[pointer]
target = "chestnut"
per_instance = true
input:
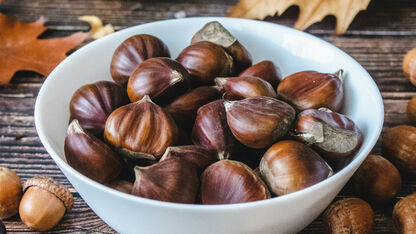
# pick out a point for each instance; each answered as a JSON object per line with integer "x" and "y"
{"x": 313, "y": 90}
{"x": 200, "y": 156}
{"x": 404, "y": 215}
{"x": 93, "y": 103}
{"x": 214, "y": 32}
{"x": 228, "y": 182}
{"x": 349, "y": 215}
{"x": 289, "y": 166}
{"x": 205, "y": 61}
{"x": 260, "y": 121}
{"x": 333, "y": 135}
{"x": 162, "y": 79}
{"x": 237, "y": 88}
{"x": 141, "y": 130}
{"x": 132, "y": 52}
{"x": 211, "y": 129}
{"x": 183, "y": 109}
{"x": 265, "y": 70}
{"x": 89, "y": 155}
{"x": 377, "y": 180}
{"x": 172, "y": 180}
{"x": 399, "y": 146}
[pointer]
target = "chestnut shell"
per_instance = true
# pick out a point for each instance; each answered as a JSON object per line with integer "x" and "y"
{"x": 162, "y": 79}
{"x": 237, "y": 88}
{"x": 93, "y": 103}
{"x": 312, "y": 90}
{"x": 133, "y": 51}
{"x": 265, "y": 70}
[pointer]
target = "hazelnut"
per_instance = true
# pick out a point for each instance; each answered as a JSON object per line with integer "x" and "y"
{"x": 404, "y": 214}
{"x": 172, "y": 180}
{"x": 409, "y": 65}
{"x": 205, "y": 61}
{"x": 162, "y": 79}
{"x": 89, "y": 155}
{"x": 44, "y": 203}
{"x": 228, "y": 182}
{"x": 377, "y": 180}
{"x": 349, "y": 215}
{"x": 200, "y": 156}
{"x": 10, "y": 193}
{"x": 332, "y": 135}
{"x": 184, "y": 108}
{"x": 132, "y": 52}
{"x": 399, "y": 146}
{"x": 265, "y": 70}
{"x": 312, "y": 90}
{"x": 216, "y": 33}
{"x": 141, "y": 130}
{"x": 211, "y": 129}
{"x": 411, "y": 109}
{"x": 260, "y": 121}
{"x": 289, "y": 166}
{"x": 93, "y": 103}
{"x": 237, "y": 88}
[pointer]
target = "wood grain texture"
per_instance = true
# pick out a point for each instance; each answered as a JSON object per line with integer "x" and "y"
{"x": 378, "y": 39}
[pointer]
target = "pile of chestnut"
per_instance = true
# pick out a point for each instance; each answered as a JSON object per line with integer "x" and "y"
{"x": 208, "y": 127}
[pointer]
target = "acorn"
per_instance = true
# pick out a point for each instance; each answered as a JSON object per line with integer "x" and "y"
{"x": 260, "y": 121}
{"x": 229, "y": 182}
{"x": 313, "y": 90}
{"x": 265, "y": 70}
{"x": 132, "y": 52}
{"x": 162, "y": 79}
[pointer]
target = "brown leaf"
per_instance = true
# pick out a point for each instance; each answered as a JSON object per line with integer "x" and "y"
{"x": 311, "y": 11}
{"x": 20, "y": 49}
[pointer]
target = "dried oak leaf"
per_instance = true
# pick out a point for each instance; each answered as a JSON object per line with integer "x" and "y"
{"x": 20, "y": 49}
{"x": 311, "y": 11}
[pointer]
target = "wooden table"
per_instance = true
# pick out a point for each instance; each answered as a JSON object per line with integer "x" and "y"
{"x": 378, "y": 39}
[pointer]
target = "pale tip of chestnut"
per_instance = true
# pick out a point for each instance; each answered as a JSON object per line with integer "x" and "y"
{"x": 340, "y": 74}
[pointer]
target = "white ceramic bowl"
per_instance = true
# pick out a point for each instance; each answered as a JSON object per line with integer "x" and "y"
{"x": 292, "y": 50}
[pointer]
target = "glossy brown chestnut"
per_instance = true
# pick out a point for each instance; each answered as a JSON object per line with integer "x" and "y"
{"x": 205, "y": 61}
{"x": 333, "y": 135}
{"x": 89, "y": 155}
{"x": 404, "y": 215}
{"x": 93, "y": 103}
{"x": 377, "y": 180}
{"x": 349, "y": 215}
{"x": 200, "y": 156}
{"x": 216, "y": 33}
{"x": 411, "y": 109}
{"x": 172, "y": 180}
{"x": 211, "y": 129}
{"x": 133, "y": 51}
{"x": 265, "y": 70}
{"x": 289, "y": 166}
{"x": 183, "y": 109}
{"x": 260, "y": 121}
{"x": 237, "y": 88}
{"x": 312, "y": 90}
{"x": 228, "y": 182}
{"x": 399, "y": 146}
{"x": 162, "y": 79}
{"x": 141, "y": 130}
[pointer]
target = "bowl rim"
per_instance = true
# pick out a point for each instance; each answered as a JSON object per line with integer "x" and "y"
{"x": 162, "y": 204}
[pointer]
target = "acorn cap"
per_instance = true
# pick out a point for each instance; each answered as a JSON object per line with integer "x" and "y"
{"x": 53, "y": 186}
